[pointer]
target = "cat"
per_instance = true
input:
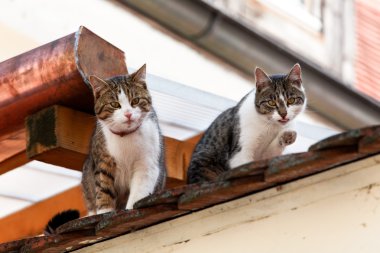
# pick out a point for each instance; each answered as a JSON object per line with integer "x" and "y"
{"x": 259, "y": 127}
{"x": 126, "y": 158}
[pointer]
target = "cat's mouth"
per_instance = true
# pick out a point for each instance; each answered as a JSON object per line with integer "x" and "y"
{"x": 283, "y": 121}
{"x": 125, "y": 132}
{"x": 130, "y": 129}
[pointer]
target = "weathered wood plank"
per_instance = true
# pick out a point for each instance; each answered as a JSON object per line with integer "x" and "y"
{"x": 250, "y": 169}
{"x": 288, "y": 167}
{"x": 204, "y": 195}
{"x": 348, "y": 138}
{"x": 59, "y": 243}
{"x": 173, "y": 158}
{"x": 127, "y": 220}
{"x": 167, "y": 196}
{"x": 13, "y": 161}
{"x": 12, "y": 246}
{"x": 60, "y": 136}
{"x": 178, "y": 155}
{"x": 12, "y": 151}
{"x": 370, "y": 144}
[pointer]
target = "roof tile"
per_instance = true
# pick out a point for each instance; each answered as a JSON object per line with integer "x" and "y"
{"x": 170, "y": 203}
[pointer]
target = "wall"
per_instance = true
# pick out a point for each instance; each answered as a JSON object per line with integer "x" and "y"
{"x": 335, "y": 211}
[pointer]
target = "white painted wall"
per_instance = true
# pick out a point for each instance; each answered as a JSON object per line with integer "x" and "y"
{"x": 335, "y": 211}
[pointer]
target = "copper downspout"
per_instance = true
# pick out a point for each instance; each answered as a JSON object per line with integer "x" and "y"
{"x": 52, "y": 74}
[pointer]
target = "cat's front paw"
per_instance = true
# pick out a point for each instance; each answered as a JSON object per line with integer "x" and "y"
{"x": 104, "y": 210}
{"x": 288, "y": 137}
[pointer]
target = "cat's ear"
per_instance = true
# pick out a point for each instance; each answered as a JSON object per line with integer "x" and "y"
{"x": 97, "y": 84}
{"x": 140, "y": 74}
{"x": 262, "y": 79}
{"x": 295, "y": 75}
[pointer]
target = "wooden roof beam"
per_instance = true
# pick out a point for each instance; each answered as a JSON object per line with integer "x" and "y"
{"x": 12, "y": 151}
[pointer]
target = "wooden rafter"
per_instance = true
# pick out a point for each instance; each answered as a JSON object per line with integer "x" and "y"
{"x": 12, "y": 153}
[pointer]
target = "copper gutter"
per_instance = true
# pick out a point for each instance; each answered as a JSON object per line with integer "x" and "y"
{"x": 54, "y": 74}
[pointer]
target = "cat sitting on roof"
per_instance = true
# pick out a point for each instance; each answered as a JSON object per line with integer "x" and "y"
{"x": 260, "y": 126}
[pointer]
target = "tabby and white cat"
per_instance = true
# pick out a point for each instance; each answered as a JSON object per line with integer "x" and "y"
{"x": 126, "y": 159}
{"x": 260, "y": 126}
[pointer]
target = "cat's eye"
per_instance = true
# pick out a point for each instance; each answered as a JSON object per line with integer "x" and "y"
{"x": 291, "y": 101}
{"x": 271, "y": 103}
{"x": 115, "y": 105}
{"x": 135, "y": 101}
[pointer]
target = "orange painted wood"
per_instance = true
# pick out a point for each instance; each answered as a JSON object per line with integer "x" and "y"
{"x": 187, "y": 151}
{"x": 32, "y": 220}
{"x": 12, "y": 151}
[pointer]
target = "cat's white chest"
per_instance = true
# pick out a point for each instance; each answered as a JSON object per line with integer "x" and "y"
{"x": 255, "y": 134}
{"x": 141, "y": 147}
{"x": 256, "y": 137}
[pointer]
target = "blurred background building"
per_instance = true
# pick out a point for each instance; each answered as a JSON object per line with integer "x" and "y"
{"x": 341, "y": 37}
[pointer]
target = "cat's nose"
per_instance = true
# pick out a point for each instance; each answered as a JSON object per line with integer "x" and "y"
{"x": 128, "y": 115}
{"x": 283, "y": 115}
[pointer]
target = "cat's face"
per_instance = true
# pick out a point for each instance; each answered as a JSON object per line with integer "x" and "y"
{"x": 122, "y": 102}
{"x": 280, "y": 98}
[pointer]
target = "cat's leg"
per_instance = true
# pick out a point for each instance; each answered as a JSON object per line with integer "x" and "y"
{"x": 105, "y": 192}
{"x": 142, "y": 183}
{"x": 88, "y": 185}
{"x": 105, "y": 196}
{"x": 277, "y": 146}
{"x": 242, "y": 157}
{"x": 198, "y": 172}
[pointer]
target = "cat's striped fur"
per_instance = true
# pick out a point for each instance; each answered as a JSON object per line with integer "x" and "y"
{"x": 258, "y": 127}
{"x": 126, "y": 159}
